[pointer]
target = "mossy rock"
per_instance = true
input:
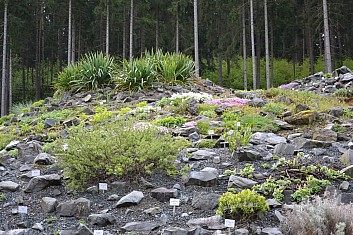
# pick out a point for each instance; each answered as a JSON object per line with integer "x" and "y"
{"x": 305, "y": 117}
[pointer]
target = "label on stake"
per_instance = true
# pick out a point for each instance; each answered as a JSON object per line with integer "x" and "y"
{"x": 211, "y": 132}
{"x": 98, "y": 232}
{"x": 103, "y": 186}
{"x": 35, "y": 173}
{"x": 174, "y": 202}
{"x": 22, "y": 209}
{"x": 229, "y": 223}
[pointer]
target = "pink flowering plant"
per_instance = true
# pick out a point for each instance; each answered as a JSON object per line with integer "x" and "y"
{"x": 288, "y": 86}
{"x": 229, "y": 102}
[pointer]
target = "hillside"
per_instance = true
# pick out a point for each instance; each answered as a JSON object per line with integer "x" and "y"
{"x": 193, "y": 142}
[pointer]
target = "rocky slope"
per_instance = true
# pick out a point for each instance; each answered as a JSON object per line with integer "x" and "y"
{"x": 34, "y": 199}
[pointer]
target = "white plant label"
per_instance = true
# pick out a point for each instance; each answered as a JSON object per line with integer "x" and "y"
{"x": 211, "y": 132}
{"x": 98, "y": 232}
{"x": 35, "y": 173}
{"x": 103, "y": 186}
{"x": 22, "y": 209}
{"x": 229, "y": 223}
{"x": 238, "y": 124}
{"x": 174, "y": 202}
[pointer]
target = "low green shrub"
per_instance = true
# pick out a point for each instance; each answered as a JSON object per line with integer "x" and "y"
{"x": 5, "y": 139}
{"x": 6, "y": 118}
{"x": 203, "y": 127}
{"x": 275, "y": 108}
{"x": 206, "y": 143}
{"x": 118, "y": 149}
{"x": 171, "y": 121}
{"x": 344, "y": 93}
{"x": 38, "y": 103}
{"x": 259, "y": 123}
{"x": 241, "y": 206}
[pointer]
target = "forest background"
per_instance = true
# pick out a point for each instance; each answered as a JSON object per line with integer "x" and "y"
{"x": 43, "y": 36}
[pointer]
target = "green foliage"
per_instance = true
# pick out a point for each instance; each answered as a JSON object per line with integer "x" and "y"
{"x": 273, "y": 187}
{"x": 51, "y": 220}
{"x": 338, "y": 128}
{"x": 117, "y": 149}
{"x": 205, "y": 107}
{"x": 206, "y": 143}
{"x": 174, "y": 68}
{"x": 2, "y": 197}
{"x": 208, "y": 113}
{"x": 247, "y": 171}
{"x": 203, "y": 127}
{"x": 141, "y": 104}
{"x": 6, "y": 118}
{"x": 259, "y": 123}
{"x": 313, "y": 186}
{"x": 241, "y": 206}
{"x": 275, "y": 108}
{"x": 39, "y": 103}
{"x": 65, "y": 78}
{"x": 344, "y": 93}
{"x": 230, "y": 116}
{"x": 238, "y": 137}
{"x": 124, "y": 111}
{"x": 171, "y": 121}
{"x": 137, "y": 74}
{"x": 101, "y": 115}
{"x": 5, "y": 139}
{"x": 171, "y": 68}
{"x": 21, "y": 108}
{"x": 348, "y": 114}
{"x": 94, "y": 71}
{"x": 59, "y": 115}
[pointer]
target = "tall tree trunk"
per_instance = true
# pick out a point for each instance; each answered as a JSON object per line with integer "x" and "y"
{"x": 220, "y": 70}
{"x": 107, "y": 31}
{"x": 124, "y": 34}
{"x": 177, "y": 29}
{"x": 157, "y": 29}
{"x": 73, "y": 42}
{"x": 258, "y": 45}
{"x": 23, "y": 80}
{"x": 328, "y": 61}
{"x": 143, "y": 40}
{"x": 69, "y": 43}
{"x": 267, "y": 50}
{"x": 3, "y": 77}
{"x": 38, "y": 57}
{"x": 131, "y": 29}
{"x": 10, "y": 81}
{"x": 244, "y": 49}
{"x": 253, "y": 55}
{"x": 196, "y": 41}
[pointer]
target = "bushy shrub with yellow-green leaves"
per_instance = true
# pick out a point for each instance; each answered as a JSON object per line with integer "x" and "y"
{"x": 241, "y": 206}
{"x": 119, "y": 149}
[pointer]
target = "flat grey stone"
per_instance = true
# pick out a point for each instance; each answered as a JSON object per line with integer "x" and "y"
{"x": 101, "y": 219}
{"x": 240, "y": 182}
{"x": 9, "y": 186}
{"x": 164, "y": 194}
{"x": 241, "y": 231}
{"x": 39, "y": 183}
{"x": 213, "y": 222}
{"x": 139, "y": 227}
{"x": 205, "y": 201}
{"x": 266, "y": 138}
{"x": 43, "y": 159}
{"x": 202, "y": 178}
{"x": 28, "y": 151}
{"x": 79, "y": 208}
{"x": 48, "y": 204}
{"x": 132, "y": 198}
{"x": 247, "y": 155}
{"x": 271, "y": 231}
{"x": 284, "y": 149}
